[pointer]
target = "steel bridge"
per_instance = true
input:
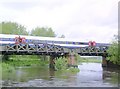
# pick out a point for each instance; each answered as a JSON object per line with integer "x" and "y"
{"x": 49, "y": 49}
{"x": 54, "y": 47}
{"x": 31, "y": 45}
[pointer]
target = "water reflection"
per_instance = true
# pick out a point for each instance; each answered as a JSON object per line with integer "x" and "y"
{"x": 91, "y": 74}
{"x": 111, "y": 75}
{"x": 51, "y": 73}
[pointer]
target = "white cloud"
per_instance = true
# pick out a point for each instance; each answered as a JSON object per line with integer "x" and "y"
{"x": 80, "y": 19}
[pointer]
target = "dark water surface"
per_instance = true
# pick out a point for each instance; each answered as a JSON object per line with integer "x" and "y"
{"x": 90, "y": 75}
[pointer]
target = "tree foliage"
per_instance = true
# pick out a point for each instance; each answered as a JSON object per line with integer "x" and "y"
{"x": 42, "y": 31}
{"x": 61, "y": 63}
{"x": 12, "y": 28}
{"x": 113, "y": 52}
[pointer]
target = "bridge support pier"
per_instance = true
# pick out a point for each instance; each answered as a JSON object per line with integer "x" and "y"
{"x": 104, "y": 61}
{"x": 71, "y": 60}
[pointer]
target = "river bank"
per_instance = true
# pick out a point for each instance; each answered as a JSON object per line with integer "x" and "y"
{"x": 86, "y": 60}
{"x": 29, "y": 61}
{"x": 90, "y": 75}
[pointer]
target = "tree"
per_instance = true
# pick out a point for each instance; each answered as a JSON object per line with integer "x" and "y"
{"x": 12, "y": 28}
{"x": 44, "y": 32}
{"x": 114, "y": 53}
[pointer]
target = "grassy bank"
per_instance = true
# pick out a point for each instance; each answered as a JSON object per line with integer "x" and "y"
{"x": 31, "y": 60}
{"x": 21, "y": 61}
{"x": 80, "y": 59}
{"x": 90, "y": 60}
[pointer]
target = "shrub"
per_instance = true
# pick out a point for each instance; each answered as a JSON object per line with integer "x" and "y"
{"x": 61, "y": 63}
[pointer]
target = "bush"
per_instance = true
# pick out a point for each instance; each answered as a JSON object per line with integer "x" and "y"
{"x": 61, "y": 63}
{"x": 113, "y": 53}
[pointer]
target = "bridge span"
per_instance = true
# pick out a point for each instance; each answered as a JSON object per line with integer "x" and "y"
{"x": 33, "y": 45}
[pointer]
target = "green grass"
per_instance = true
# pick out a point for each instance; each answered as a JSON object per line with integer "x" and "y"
{"x": 6, "y": 67}
{"x": 21, "y": 61}
{"x": 90, "y": 60}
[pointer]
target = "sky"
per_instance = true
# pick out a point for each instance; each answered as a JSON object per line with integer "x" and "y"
{"x": 86, "y": 20}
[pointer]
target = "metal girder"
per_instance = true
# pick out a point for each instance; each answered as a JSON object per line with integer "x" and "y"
{"x": 33, "y": 48}
{"x": 50, "y": 48}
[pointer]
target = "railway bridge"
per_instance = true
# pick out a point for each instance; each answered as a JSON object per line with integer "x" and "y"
{"x": 54, "y": 47}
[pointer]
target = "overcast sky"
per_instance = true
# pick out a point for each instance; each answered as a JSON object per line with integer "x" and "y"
{"x": 78, "y": 19}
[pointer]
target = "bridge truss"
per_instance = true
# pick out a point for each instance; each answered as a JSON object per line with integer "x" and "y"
{"x": 51, "y": 49}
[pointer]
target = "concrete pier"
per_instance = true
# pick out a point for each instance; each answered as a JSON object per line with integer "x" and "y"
{"x": 71, "y": 60}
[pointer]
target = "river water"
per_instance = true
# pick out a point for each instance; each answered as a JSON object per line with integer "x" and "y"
{"x": 90, "y": 75}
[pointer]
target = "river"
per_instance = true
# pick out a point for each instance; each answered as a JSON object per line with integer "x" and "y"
{"x": 90, "y": 75}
